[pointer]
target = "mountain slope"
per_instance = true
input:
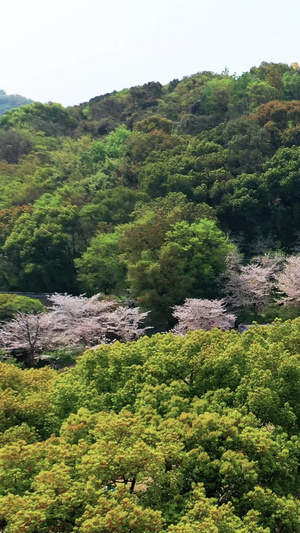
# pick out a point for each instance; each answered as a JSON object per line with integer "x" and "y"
{"x": 11, "y": 101}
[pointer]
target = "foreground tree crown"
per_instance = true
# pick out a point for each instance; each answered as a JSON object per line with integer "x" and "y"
{"x": 169, "y": 433}
{"x": 140, "y": 194}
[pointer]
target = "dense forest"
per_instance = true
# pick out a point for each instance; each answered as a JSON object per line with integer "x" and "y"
{"x": 176, "y": 434}
{"x": 180, "y": 206}
{"x": 142, "y": 193}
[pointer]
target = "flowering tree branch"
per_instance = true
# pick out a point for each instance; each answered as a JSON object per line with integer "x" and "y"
{"x": 197, "y": 314}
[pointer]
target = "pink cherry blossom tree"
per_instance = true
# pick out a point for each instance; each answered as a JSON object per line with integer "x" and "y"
{"x": 252, "y": 286}
{"x": 72, "y": 323}
{"x": 196, "y": 314}
{"x": 288, "y": 282}
{"x": 22, "y": 333}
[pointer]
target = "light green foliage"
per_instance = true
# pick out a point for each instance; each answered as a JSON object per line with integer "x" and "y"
{"x": 217, "y": 95}
{"x": 11, "y": 304}
{"x": 260, "y": 92}
{"x": 116, "y": 142}
{"x": 24, "y": 398}
{"x": 204, "y": 515}
{"x": 53, "y": 119}
{"x": 118, "y": 513}
{"x": 101, "y": 268}
{"x": 175, "y": 434}
{"x": 291, "y": 85}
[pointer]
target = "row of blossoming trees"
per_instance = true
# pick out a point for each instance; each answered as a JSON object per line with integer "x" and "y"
{"x": 73, "y": 323}
{"x": 249, "y": 288}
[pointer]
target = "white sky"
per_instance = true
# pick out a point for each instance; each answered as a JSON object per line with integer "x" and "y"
{"x": 69, "y": 51}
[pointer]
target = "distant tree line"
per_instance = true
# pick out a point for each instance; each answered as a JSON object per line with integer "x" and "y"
{"x": 11, "y": 101}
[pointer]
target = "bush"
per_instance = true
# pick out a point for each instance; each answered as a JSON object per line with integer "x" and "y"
{"x": 11, "y": 304}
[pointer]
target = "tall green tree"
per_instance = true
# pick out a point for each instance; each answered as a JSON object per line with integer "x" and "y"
{"x": 41, "y": 249}
{"x": 186, "y": 263}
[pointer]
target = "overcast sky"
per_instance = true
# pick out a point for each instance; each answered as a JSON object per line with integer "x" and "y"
{"x": 68, "y": 51}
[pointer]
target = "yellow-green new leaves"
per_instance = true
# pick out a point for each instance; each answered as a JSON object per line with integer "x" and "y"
{"x": 119, "y": 513}
{"x": 143, "y": 424}
{"x": 205, "y": 515}
{"x": 123, "y": 451}
{"x": 24, "y": 396}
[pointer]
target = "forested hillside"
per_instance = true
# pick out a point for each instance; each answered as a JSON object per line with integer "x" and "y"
{"x": 142, "y": 193}
{"x": 180, "y": 205}
{"x": 118, "y": 194}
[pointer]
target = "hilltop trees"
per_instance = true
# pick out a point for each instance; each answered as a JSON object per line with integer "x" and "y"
{"x": 53, "y": 119}
{"x": 11, "y": 101}
{"x": 111, "y": 196}
{"x": 139, "y": 195}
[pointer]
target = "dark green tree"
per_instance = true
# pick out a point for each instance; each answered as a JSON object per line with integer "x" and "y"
{"x": 42, "y": 247}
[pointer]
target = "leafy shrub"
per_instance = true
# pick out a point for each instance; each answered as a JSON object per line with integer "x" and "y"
{"x": 11, "y": 304}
